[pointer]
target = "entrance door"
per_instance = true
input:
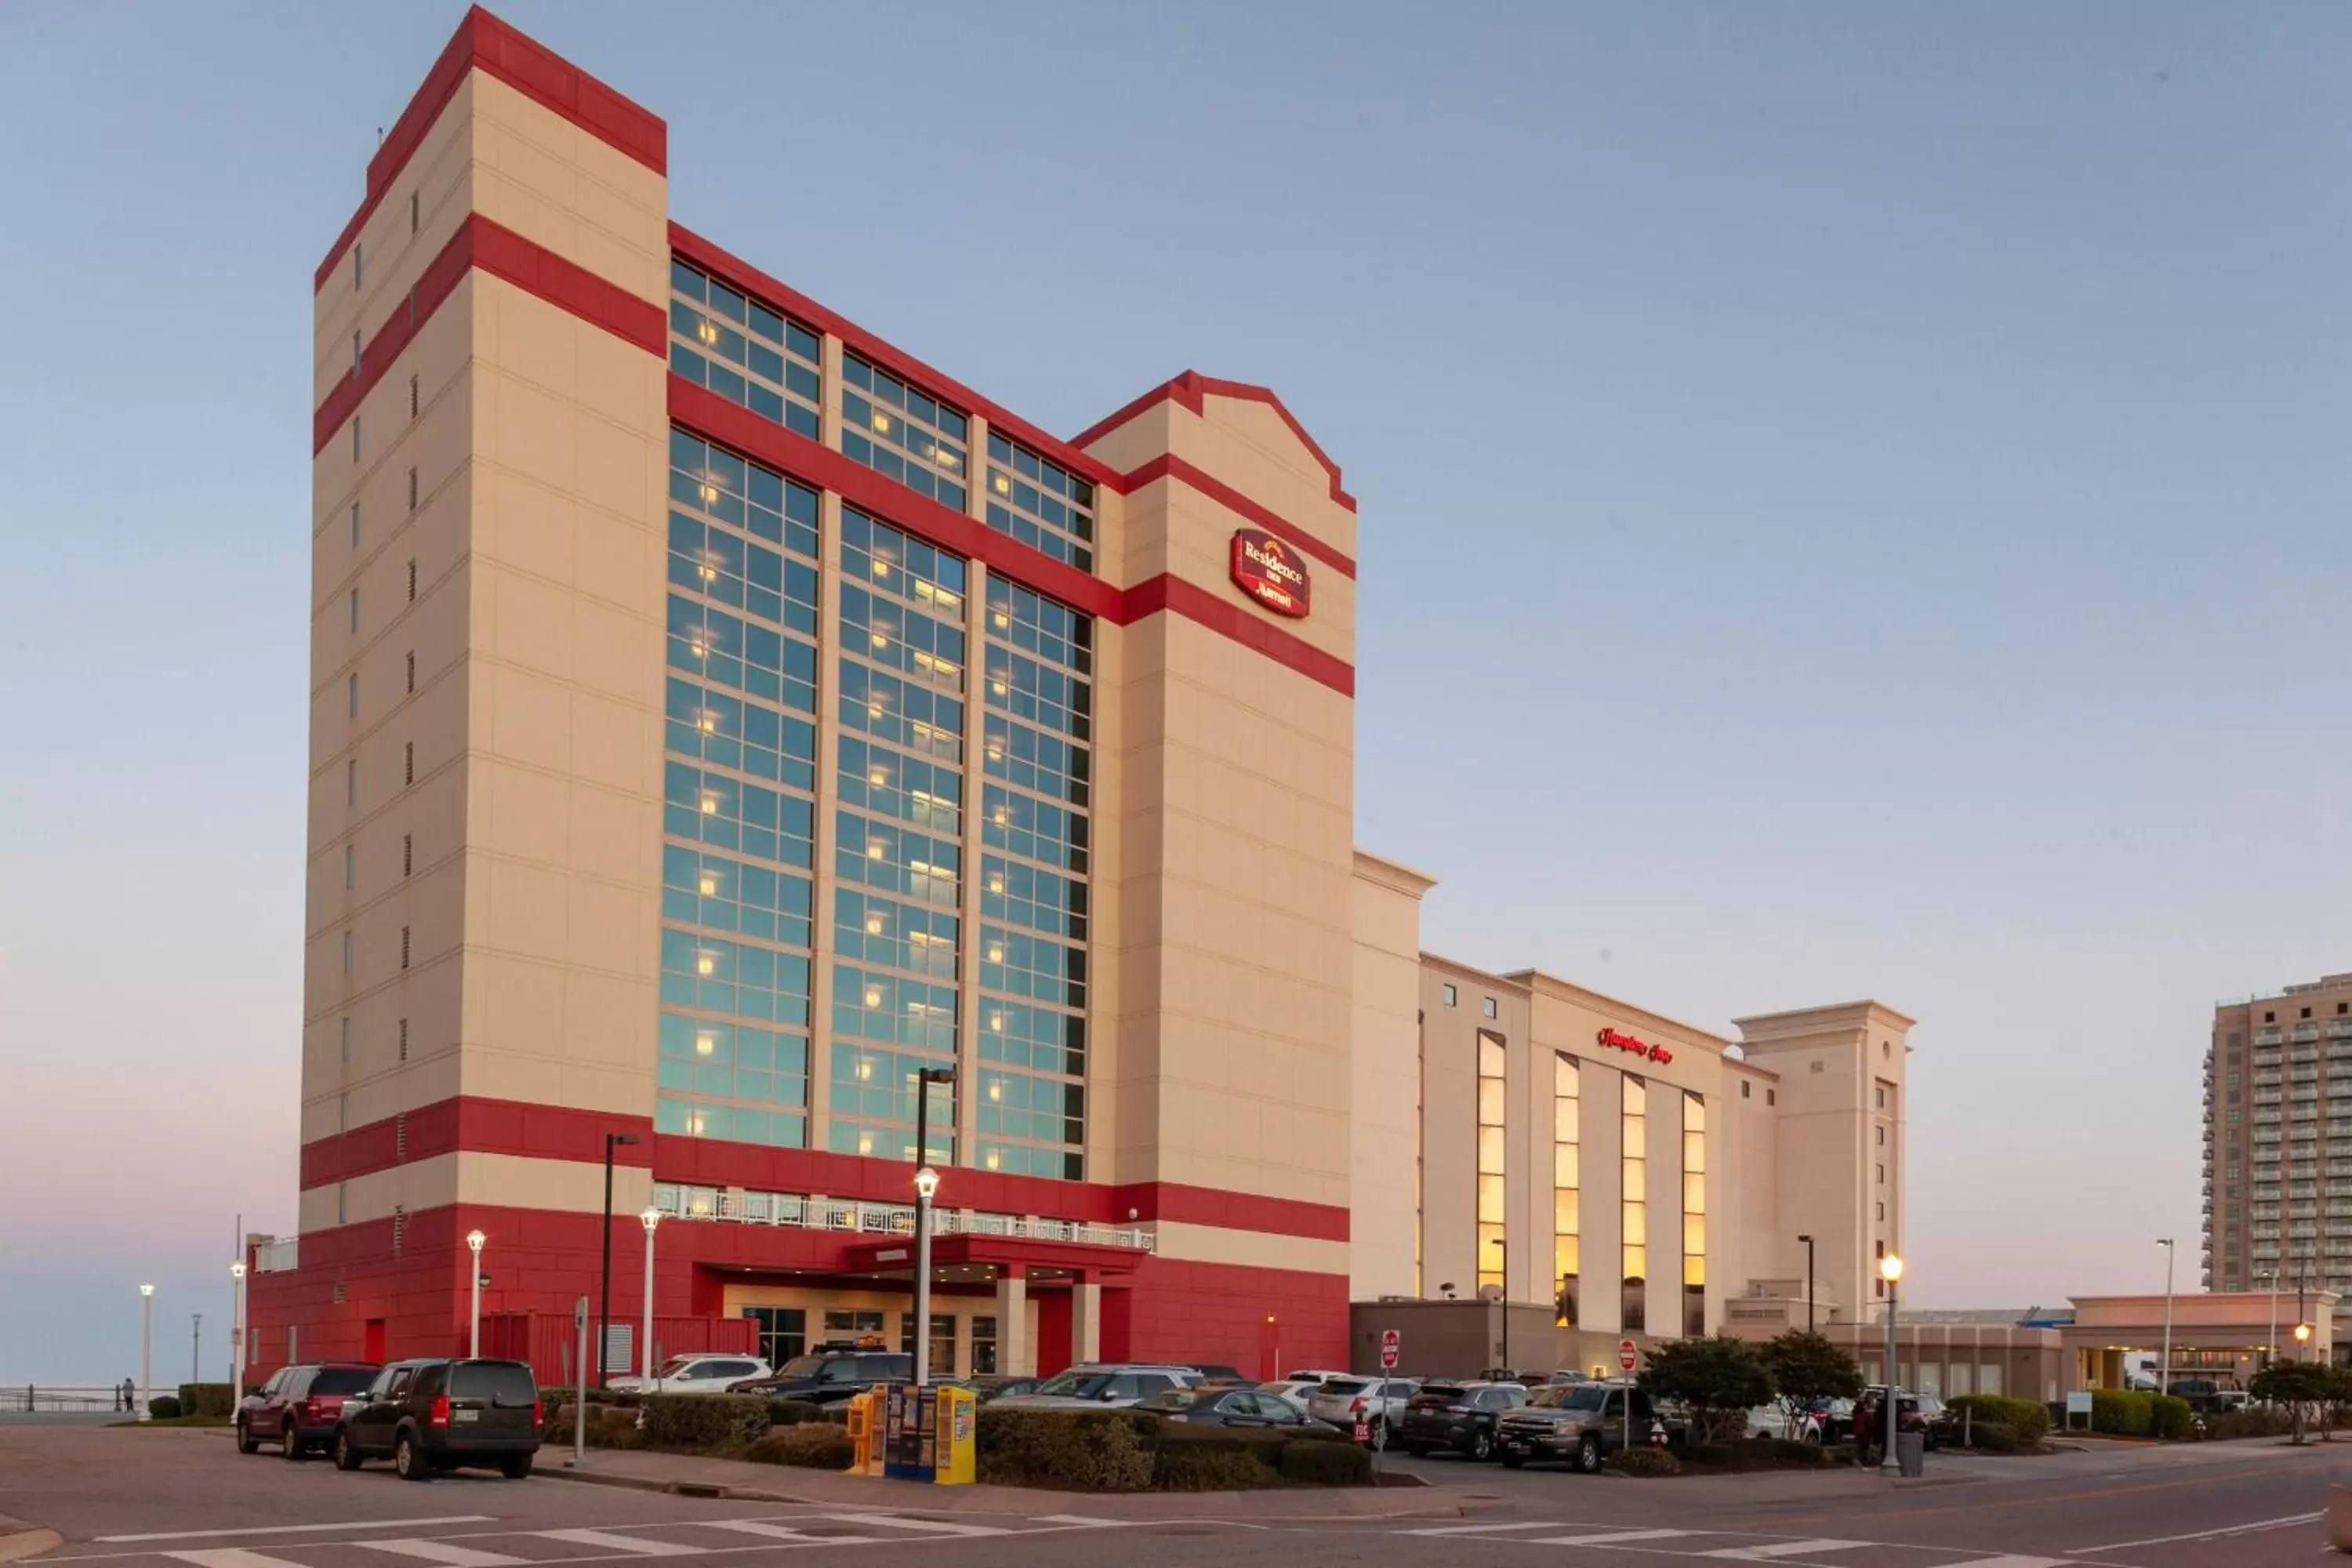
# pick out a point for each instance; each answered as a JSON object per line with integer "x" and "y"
{"x": 372, "y": 1345}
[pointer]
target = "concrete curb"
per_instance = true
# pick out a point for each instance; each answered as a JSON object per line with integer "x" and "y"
{"x": 675, "y": 1488}
{"x": 19, "y": 1540}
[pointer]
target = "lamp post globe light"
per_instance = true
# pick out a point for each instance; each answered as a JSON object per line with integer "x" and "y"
{"x": 650, "y": 1218}
{"x": 1890, "y": 1268}
{"x": 2302, "y": 1340}
{"x": 474, "y": 1239}
{"x": 146, "y": 1348}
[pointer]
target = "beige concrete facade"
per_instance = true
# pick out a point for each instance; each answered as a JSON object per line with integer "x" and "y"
{"x": 2278, "y": 1140}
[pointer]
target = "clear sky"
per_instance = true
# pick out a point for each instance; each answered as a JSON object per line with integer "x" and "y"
{"x": 1853, "y": 504}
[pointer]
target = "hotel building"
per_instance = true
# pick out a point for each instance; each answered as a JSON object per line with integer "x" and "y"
{"x": 2278, "y": 1142}
{"x": 736, "y": 744}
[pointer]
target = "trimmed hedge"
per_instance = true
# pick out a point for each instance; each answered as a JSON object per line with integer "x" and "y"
{"x": 206, "y": 1399}
{"x": 811, "y": 1445}
{"x": 163, "y": 1408}
{"x": 1644, "y": 1461}
{"x": 1128, "y": 1450}
{"x": 2169, "y": 1418}
{"x": 2126, "y": 1413}
{"x": 2253, "y": 1421}
{"x": 608, "y": 1427}
{"x": 720, "y": 1421}
{"x": 1993, "y": 1437}
{"x": 794, "y": 1412}
{"x": 2028, "y": 1418}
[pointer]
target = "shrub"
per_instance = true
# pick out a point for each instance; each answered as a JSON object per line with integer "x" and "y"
{"x": 607, "y": 1427}
{"x": 1184, "y": 1466}
{"x": 1993, "y": 1437}
{"x": 715, "y": 1421}
{"x": 2125, "y": 1413}
{"x": 811, "y": 1445}
{"x": 163, "y": 1408}
{"x": 1078, "y": 1450}
{"x": 1311, "y": 1463}
{"x": 2028, "y": 1418}
{"x": 793, "y": 1412}
{"x": 1645, "y": 1462}
{"x": 2169, "y": 1418}
{"x": 206, "y": 1399}
{"x": 2255, "y": 1421}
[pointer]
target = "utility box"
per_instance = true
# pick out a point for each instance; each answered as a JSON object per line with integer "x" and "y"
{"x": 955, "y": 1444}
{"x": 929, "y": 1433}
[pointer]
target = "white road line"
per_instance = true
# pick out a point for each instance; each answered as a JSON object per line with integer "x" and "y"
{"x": 625, "y": 1545}
{"x": 1613, "y": 1537}
{"x": 1081, "y": 1519}
{"x": 300, "y": 1529}
{"x": 231, "y": 1557}
{"x": 2010, "y": 1561}
{"x": 1783, "y": 1548}
{"x": 441, "y": 1552}
{"x": 781, "y": 1532}
{"x": 2202, "y": 1534}
{"x": 1484, "y": 1528}
{"x": 922, "y": 1526}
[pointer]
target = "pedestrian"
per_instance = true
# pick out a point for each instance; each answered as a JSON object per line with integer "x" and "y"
{"x": 130, "y": 1397}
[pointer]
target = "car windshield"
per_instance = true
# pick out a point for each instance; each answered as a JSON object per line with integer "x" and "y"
{"x": 341, "y": 1380}
{"x": 1077, "y": 1386}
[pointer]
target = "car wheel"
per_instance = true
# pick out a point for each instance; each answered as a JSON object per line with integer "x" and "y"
{"x": 297, "y": 1445}
{"x": 1482, "y": 1447}
{"x": 1513, "y": 1461}
{"x": 515, "y": 1467}
{"x": 408, "y": 1460}
{"x": 1588, "y": 1456}
{"x": 247, "y": 1443}
{"x": 346, "y": 1453}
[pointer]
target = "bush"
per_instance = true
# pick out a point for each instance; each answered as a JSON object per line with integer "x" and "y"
{"x": 608, "y": 1427}
{"x": 206, "y": 1399}
{"x": 1185, "y": 1465}
{"x": 793, "y": 1412}
{"x": 1308, "y": 1462}
{"x": 2169, "y": 1418}
{"x": 1076, "y": 1450}
{"x": 2028, "y": 1418}
{"x": 1645, "y": 1462}
{"x": 811, "y": 1445}
{"x": 1993, "y": 1437}
{"x": 2124, "y": 1413}
{"x": 723, "y": 1422}
{"x": 2255, "y": 1421}
{"x": 163, "y": 1408}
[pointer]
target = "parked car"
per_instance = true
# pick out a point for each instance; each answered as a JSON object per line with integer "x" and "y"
{"x": 1835, "y": 1418}
{"x": 1774, "y": 1421}
{"x": 1228, "y": 1407}
{"x": 697, "y": 1374}
{"x": 1376, "y": 1402}
{"x": 992, "y": 1386}
{"x": 1567, "y": 1374}
{"x": 298, "y": 1407}
{"x": 1294, "y": 1391}
{"x": 1582, "y": 1423}
{"x": 1312, "y": 1375}
{"x": 1217, "y": 1372}
{"x": 1457, "y": 1415}
{"x": 1100, "y": 1386}
{"x": 828, "y": 1377}
{"x": 427, "y": 1415}
{"x": 1912, "y": 1413}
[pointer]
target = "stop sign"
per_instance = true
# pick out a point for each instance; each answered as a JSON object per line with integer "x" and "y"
{"x": 1628, "y": 1352}
{"x": 1390, "y": 1340}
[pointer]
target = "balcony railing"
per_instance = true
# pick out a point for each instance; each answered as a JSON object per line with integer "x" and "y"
{"x": 277, "y": 1256}
{"x": 807, "y": 1213}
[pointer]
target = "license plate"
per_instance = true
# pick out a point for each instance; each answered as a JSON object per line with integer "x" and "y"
{"x": 465, "y": 1415}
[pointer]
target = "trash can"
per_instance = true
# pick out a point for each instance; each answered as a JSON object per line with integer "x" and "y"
{"x": 1911, "y": 1453}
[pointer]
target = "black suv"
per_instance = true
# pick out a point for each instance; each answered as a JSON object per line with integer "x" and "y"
{"x": 828, "y": 1377}
{"x": 428, "y": 1416}
{"x": 1457, "y": 1415}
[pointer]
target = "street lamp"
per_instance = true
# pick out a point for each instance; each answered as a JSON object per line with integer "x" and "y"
{"x": 2301, "y": 1339}
{"x": 2270, "y": 1335}
{"x": 146, "y": 1348}
{"x": 1809, "y": 1282}
{"x": 196, "y": 1347}
{"x": 649, "y": 1220}
{"x": 474, "y": 1239}
{"x": 1890, "y": 1268}
{"x": 926, "y": 1184}
{"x": 2164, "y": 1369}
{"x": 236, "y": 1336}
{"x": 605, "y": 1291}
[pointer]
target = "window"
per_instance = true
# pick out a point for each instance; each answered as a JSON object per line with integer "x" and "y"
{"x": 351, "y": 783}
{"x": 906, "y": 434}
{"x": 1040, "y": 503}
{"x": 1882, "y": 1211}
{"x": 2270, "y": 1017}
{"x": 358, "y": 253}
{"x": 412, "y": 489}
{"x": 783, "y": 1333}
{"x": 355, "y": 525}
{"x": 983, "y": 1345}
{"x": 408, "y": 763}
{"x": 745, "y": 351}
{"x": 403, "y": 947}
{"x": 412, "y": 674}
{"x": 355, "y": 437}
{"x": 1489, "y": 1007}
{"x": 1881, "y": 1093}
{"x": 411, "y": 397}
{"x": 351, "y": 695}
{"x": 1493, "y": 1061}
{"x": 1771, "y": 1097}
{"x": 1882, "y": 1175}
{"x": 1633, "y": 1120}
{"x": 1447, "y": 993}
{"x": 2307, "y": 1013}
{"x": 356, "y": 355}
{"x": 347, "y": 955}
{"x": 407, "y": 853}
{"x": 1747, "y": 1089}
{"x": 412, "y": 580}
{"x": 1882, "y": 1137}
{"x": 404, "y": 1039}
{"x": 351, "y": 865}
{"x": 355, "y": 610}
{"x": 1876, "y": 1278}
{"x": 411, "y": 212}
{"x": 1694, "y": 1215}
{"x": 347, "y": 1042}
{"x": 1566, "y": 1106}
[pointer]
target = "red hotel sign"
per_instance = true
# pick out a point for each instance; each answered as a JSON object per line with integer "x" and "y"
{"x": 1640, "y": 1048}
{"x": 1270, "y": 572}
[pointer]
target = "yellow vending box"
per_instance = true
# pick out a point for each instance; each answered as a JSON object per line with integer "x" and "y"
{"x": 868, "y": 1459}
{"x": 955, "y": 1454}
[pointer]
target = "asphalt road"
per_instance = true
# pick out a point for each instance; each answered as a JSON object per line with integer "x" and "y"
{"x": 164, "y": 1499}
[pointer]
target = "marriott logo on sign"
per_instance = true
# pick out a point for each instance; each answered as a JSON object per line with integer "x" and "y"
{"x": 1270, "y": 572}
{"x": 1640, "y": 1048}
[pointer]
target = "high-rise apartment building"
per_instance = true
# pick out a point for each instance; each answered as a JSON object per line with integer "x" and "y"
{"x": 2278, "y": 1140}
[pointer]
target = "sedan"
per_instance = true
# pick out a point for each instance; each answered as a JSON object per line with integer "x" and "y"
{"x": 1229, "y": 1408}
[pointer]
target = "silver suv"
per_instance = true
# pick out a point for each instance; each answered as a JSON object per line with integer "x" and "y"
{"x": 1378, "y": 1401}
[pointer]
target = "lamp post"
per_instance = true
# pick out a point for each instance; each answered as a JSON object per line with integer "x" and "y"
{"x": 604, "y": 1293}
{"x": 2302, "y": 1341}
{"x": 2270, "y": 1335}
{"x": 2164, "y": 1368}
{"x": 1499, "y": 1245}
{"x": 197, "y": 1349}
{"x": 1809, "y": 1282}
{"x": 649, "y": 1220}
{"x": 236, "y": 1336}
{"x": 146, "y": 1348}
{"x": 926, "y": 1183}
{"x": 1890, "y": 1268}
{"x": 474, "y": 1239}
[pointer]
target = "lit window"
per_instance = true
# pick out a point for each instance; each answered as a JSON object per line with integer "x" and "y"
{"x": 1492, "y": 1233}
{"x": 1040, "y": 503}
{"x": 744, "y": 352}
{"x": 902, "y": 432}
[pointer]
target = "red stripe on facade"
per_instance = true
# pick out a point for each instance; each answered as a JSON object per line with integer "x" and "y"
{"x": 707, "y": 413}
{"x": 1190, "y": 390}
{"x": 474, "y": 1125}
{"x": 693, "y": 247}
{"x": 493, "y": 247}
{"x": 1167, "y": 465}
{"x": 532, "y": 70}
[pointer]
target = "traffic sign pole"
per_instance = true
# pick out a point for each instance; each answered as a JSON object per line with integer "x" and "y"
{"x": 1628, "y": 1352}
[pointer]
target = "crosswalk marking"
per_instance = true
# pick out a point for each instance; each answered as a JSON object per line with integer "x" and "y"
{"x": 1611, "y": 1537}
{"x": 1483, "y": 1528}
{"x": 1783, "y": 1548}
{"x": 781, "y": 1532}
{"x": 603, "y": 1540}
{"x": 924, "y": 1526}
{"x": 298, "y": 1529}
{"x": 441, "y": 1552}
{"x": 1082, "y": 1520}
{"x": 2012, "y": 1560}
{"x": 230, "y": 1557}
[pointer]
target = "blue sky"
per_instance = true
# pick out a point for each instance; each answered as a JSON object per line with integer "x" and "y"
{"x": 1851, "y": 497}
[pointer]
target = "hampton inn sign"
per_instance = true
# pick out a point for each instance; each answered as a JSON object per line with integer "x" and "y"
{"x": 1270, "y": 572}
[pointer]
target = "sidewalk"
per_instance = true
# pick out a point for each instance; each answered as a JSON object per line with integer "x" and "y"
{"x": 697, "y": 1477}
{"x": 18, "y": 1540}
